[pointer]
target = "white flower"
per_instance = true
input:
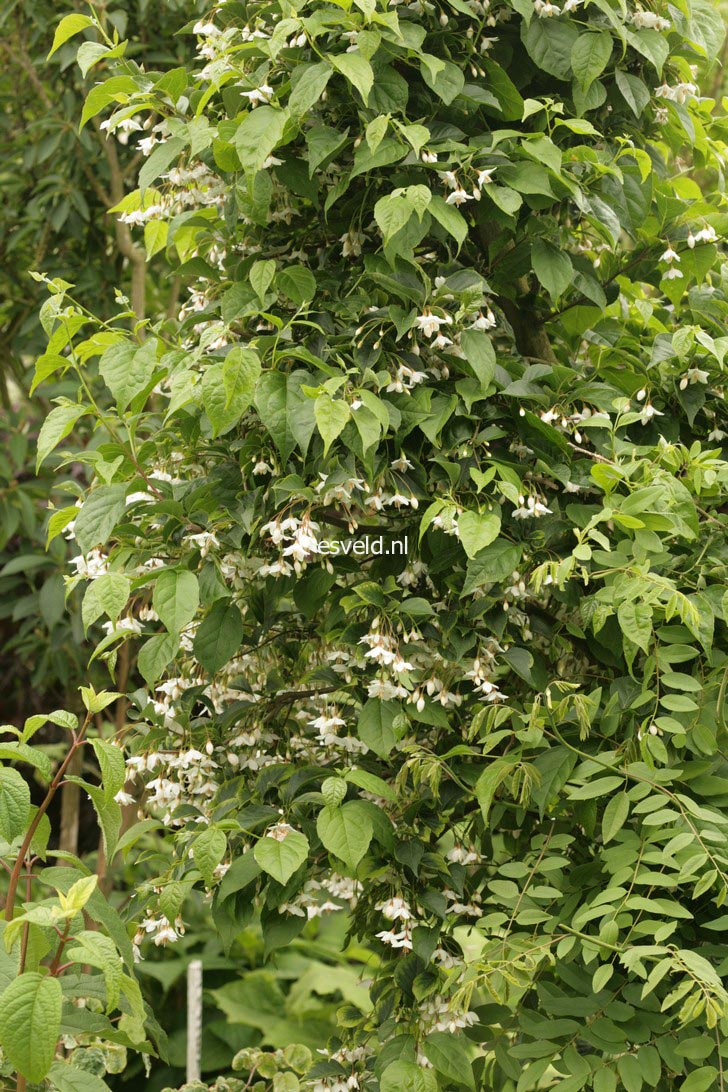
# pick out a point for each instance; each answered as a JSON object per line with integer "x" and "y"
{"x": 485, "y": 321}
{"x": 352, "y": 241}
{"x": 458, "y": 197}
{"x": 672, "y": 274}
{"x": 650, "y": 20}
{"x": 486, "y": 175}
{"x": 545, "y": 10}
{"x": 430, "y": 324}
{"x": 280, "y": 831}
{"x": 264, "y": 93}
{"x": 530, "y": 509}
{"x": 394, "y": 909}
{"x": 649, "y": 412}
{"x": 205, "y": 541}
{"x": 123, "y": 625}
{"x": 706, "y": 235}
{"x": 428, "y": 157}
{"x": 395, "y": 940}
{"x": 670, "y": 255}
{"x": 694, "y": 375}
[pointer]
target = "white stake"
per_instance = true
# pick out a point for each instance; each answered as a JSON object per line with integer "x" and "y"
{"x": 194, "y": 1019}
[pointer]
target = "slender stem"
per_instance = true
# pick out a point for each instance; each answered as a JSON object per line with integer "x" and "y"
{"x": 55, "y": 965}
{"x": 43, "y": 808}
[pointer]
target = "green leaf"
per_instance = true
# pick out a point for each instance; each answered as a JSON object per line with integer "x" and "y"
{"x": 480, "y": 355}
{"x": 21, "y": 752}
{"x": 155, "y": 236}
{"x": 599, "y": 787}
{"x": 345, "y": 831}
{"x": 108, "y": 594}
{"x": 371, "y": 783}
{"x": 615, "y": 816}
{"x": 287, "y": 414}
{"x": 332, "y": 416}
{"x": 703, "y": 1079}
{"x": 113, "y": 766}
{"x": 634, "y": 91}
{"x": 281, "y": 857}
{"x": 161, "y": 157}
{"x": 69, "y": 1078}
{"x": 635, "y": 621}
{"x": 14, "y": 803}
{"x": 357, "y": 70}
{"x": 89, "y": 53}
{"x": 208, "y": 851}
{"x": 98, "y": 517}
{"x": 67, "y": 28}
{"x": 176, "y": 598}
{"x": 155, "y": 654}
{"x": 108, "y": 813}
{"x": 227, "y": 393}
{"x": 115, "y": 89}
{"x": 258, "y": 135}
{"x": 261, "y": 277}
{"x": 476, "y": 530}
{"x": 442, "y": 77}
{"x": 486, "y": 785}
{"x": 55, "y": 428}
{"x": 219, "y": 636}
{"x": 552, "y": 267}
{"x": 507, "y": 199}
{"x": 375, "y": 131}
{"x": 375, "y": 726}
{"x": 590, "y": 55}
{"x": 127, "y": 369}
{"x": 97, "y": 950}
{"x": 298, "y": 283}
{"x": 448, "y": 217}
{"x": 240, "y": 373}
{"x": 549, "y": 43}
{"x": 30, "y": 1023}
{"x": 404, "y": 1076}
{"x": 392, "y": 213}
{"x": 449, "y": 1057}
{"x": 308, "y": 87}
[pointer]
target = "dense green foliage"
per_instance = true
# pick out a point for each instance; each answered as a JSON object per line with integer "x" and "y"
{"x": 452, "y": 276}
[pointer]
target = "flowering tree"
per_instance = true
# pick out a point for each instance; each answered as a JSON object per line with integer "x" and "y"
{"x": 453, "y": 279}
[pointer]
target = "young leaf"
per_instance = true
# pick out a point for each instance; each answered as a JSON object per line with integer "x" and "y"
{"x": 280, "y": 857}
{"x": 345, "y": 831}
{"x": 332, "y": 416}
{"x": 476, "y": 530}
{"x": 67, "y": 28}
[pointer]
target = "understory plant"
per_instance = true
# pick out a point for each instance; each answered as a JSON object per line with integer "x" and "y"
{"x": 453, "y": 279}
